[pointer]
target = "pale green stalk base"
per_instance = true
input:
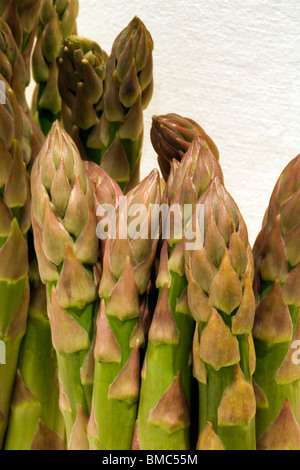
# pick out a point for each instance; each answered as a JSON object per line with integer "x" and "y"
{"x": 115, "y": 419}
{"x": 234, "y": 437}
{"x": 241, "y": 437}
{"x": 162, "y": 363}
{"x": 70, "y": 367}
{"x": 11, "y": 295}
{"x": 38, "y": 369}
{"x": 7, "y": 378}
{"x": 269, "y": 359}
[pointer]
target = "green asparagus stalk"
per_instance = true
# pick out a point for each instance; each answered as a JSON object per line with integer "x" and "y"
{"x": 22, "y": 18}
{"x": 57, "y": 21}
{"x": 35, "y": 398}
{"x": 64, "y": 227}
{"x": 277, "y": 321}
{"x": 122, "y": 320}
{"x": 221, "y": 299}
{"x": 108, "y": 192}
{"x": 14, "y": 225}
{"x": 81, "y": 84}
{"x": 36, "y": 422}
{"x": 164, "y": 415}
{"x": 171, "y": 136}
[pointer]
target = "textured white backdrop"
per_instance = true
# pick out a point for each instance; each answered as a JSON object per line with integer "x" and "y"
{"x": 234, "y": 67}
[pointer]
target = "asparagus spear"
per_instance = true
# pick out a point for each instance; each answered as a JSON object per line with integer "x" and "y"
{"x": 109, "y": 113}
{"x": 64, "y": 226}
{"x": 129, "y": 82}
{"x": 127, "y": 266}
{"x": 107, "y": 192}
{"x": 164, "y": 415}
{"x": 57, "y": 21}
{"x": 13, "y": 68}
{"x": 35, "y": 398}
{"x": 14, "y": 225}
{"x": 36, "y": 422}
{"x": 12, "y": 65}
{"x": 81, "y": 84}
{"x": 104, "y": 99}
{"x": 22, "y": 18}
{"x": 277, "y": 320}
{"x": 171, "y": 136}
{"x": 221, "y": 299}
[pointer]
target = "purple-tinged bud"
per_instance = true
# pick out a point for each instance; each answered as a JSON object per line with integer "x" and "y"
{"x": 238, "y": 405}
{"x": 126, "y": 386}
{"x": 171, "y": 137}
{"x": 61, "y": 325}
{"x": 218, "y": 347}
{"x": 209, "y": 440}
{"x": 284, "y": 432}
{"x": 272, "y": 320}
{"x": 172, "y": 411}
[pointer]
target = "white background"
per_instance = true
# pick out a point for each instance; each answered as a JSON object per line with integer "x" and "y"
{"x": 234, "y": 67}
